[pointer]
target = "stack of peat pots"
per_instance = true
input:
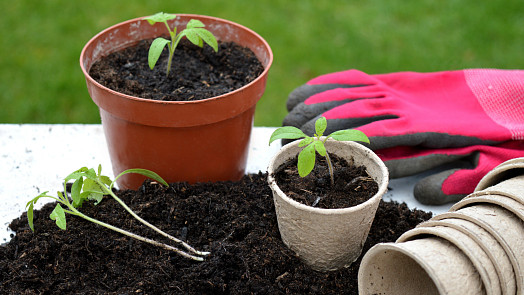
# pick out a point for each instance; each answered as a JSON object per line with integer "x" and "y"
{"x": 475, "y": 248}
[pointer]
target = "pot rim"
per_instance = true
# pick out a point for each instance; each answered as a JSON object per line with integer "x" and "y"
{"x": 504, "y": 171}
{"x": 141, "y": 19}
{"x": 382, "y": 189}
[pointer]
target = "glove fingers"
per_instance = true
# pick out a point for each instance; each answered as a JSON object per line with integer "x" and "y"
{"x": 428, "y": 191}
{"x": 347, "y": 94}
{"x": 413, "y": 165}
{"x": 303, "y": 92}
{"x": 354, "y": 77}
{"x": 380, "y": 139}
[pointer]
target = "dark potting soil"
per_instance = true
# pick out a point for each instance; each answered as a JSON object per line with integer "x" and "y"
{"x": 196, "y": 73}
{"x": 352, "y": 184}
{"x": 234, "y": 220}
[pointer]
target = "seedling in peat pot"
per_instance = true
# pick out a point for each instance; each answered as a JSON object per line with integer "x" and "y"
{"x": 306, "y": 158}
{"x": 89, "y": 185}
{"x": 194, "y": 32}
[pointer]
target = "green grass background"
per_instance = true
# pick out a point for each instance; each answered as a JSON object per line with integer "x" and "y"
{"x": 41, "y": 40}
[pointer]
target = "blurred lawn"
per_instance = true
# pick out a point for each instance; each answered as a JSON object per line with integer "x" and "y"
{"x": 41, "y": 81}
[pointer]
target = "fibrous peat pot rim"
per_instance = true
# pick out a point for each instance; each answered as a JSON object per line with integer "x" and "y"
{"x": 383, "y": 185}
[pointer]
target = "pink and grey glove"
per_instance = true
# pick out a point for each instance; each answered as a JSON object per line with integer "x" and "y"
{"x": 432, "y": 110}
{"x": 423, "y": 119}
{"x": 468, "y": 165}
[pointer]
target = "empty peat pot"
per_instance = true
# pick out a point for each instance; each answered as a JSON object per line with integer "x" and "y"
{"x": 428, "y": 266}
{"x": 482, "y": 262}
{"x": 489, "y": 245}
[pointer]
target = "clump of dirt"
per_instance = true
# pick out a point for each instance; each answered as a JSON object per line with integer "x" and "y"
{"x": 234, "y": 220}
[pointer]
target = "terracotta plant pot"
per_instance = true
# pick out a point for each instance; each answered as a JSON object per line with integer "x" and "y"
{"x": 476, "y": 254}
{"x": 193, "y": 141}
{"x": 425, "y": 266}
{"x": 327, "y": 239}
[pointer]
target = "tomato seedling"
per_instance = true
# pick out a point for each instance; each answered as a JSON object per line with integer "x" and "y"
{"x": 194, "y": 32}
{"x": 306, "y": 157}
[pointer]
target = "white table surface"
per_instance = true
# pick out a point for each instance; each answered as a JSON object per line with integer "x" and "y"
{"x": 36, "y": 157}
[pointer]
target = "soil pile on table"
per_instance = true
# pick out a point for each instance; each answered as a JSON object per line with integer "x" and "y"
{"x": 234, "y": 220}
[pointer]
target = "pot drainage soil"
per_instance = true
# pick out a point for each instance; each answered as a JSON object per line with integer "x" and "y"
{"x": 234, "y": 220}
{"x": 196, "y": 73}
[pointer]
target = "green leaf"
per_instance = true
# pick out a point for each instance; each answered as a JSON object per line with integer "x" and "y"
{"x": 192, "y": 36}
{"x": 92, "y": 196}
{"x": 145, "y": 172}
{"x": 58, "y": 215}
{"x": 30, "y": 216}
{"x": 35, "y": 199}
{"x": 207, "y": 37}
{"x": 321, "y": 149}
{"x": 305, "y": 141}
{"x": 61, "y": 196}
{"x": 30, "y": 208}
{"x": 75, "y": 192}
{"x": 91, "y": 174}
{"x": 287, "y": 132}
{"x": 159, "y": 17}
{"x": 77, "y": 174}
{"x": 105, "y": 180}
{"x": 349, "y": 135}
{"x": 194, "y": 23}
{"x": 306, "y": 160}
{"x": 320, "y": 126}
{"x": 155, "y": 50}
{"x": 92, "y": 191}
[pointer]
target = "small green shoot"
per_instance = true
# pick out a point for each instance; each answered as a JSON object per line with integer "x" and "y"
{"x": 194, "y": 32}
{"x": 91, "y": 185}
{"x": 306, "y": 158}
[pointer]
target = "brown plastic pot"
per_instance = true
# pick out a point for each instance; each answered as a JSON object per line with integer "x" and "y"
{"x": 327, "y": 239}
{"x": 195, "y": 141}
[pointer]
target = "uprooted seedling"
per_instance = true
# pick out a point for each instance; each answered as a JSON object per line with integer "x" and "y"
{"x": 89, "y": 185}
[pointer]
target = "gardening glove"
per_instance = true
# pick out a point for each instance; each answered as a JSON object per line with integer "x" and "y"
{"x": 431, "y": 110}
{"x": 414, "y": 112}
{"x": 469, "y": 165}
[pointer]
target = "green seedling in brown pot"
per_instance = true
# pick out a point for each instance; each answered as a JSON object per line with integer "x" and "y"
{"x": 194, "y": 32}
{"x": 89, "y": 185}
{"x": 306, "y": 158}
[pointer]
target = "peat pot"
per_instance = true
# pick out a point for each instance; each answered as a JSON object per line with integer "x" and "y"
{"x": 193, "y": 141}
{"x": 327, "y": 239}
